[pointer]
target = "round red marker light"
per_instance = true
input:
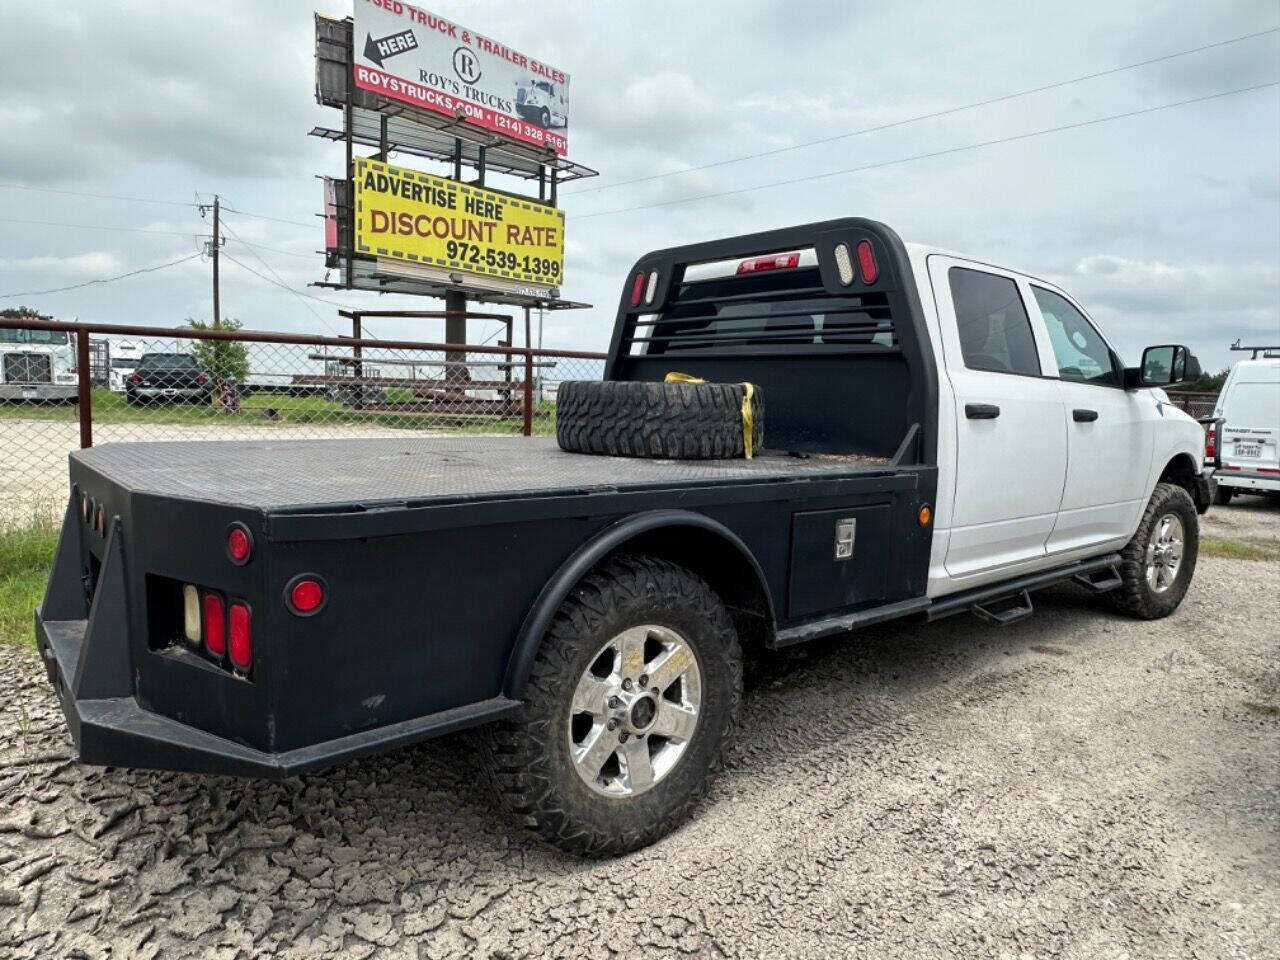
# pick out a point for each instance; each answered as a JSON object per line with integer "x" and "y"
{"x": 239, "y": 544}
{"x": 306, "y": 595}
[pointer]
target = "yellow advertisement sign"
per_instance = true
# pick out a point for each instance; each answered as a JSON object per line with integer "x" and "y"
{"x": 419, "y": 218}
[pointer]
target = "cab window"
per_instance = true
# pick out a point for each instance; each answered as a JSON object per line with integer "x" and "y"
{"x": 1082, "y": 354}
{"x": 995, "y": 332}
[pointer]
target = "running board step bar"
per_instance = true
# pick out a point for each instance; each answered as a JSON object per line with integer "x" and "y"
{"x": 1099, "y": 581}
{"x": 995, "y": 612}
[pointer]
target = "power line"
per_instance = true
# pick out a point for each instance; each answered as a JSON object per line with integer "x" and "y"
{"x": 924, "y": 116}
{"x": 96, "y": 196}
{"x": 89, "y": 283}
{"x": 94, "y": 226}
{"x": 263, "y": 216}
{"x": 287, "y": 253}
{"x": 280, "y": 283}
{"x": 279, "y": 279}
{"x": 926, "y": 156}
{"x": 155, "y": 200}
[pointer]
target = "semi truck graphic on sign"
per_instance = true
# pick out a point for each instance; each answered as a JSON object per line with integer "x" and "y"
{"x": 542, "y": 102}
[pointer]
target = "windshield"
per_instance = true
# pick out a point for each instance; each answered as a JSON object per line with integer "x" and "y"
{"x": 167, "y": 361}
{"x": 54, "y": 337}
{"x": 124, "y": 363}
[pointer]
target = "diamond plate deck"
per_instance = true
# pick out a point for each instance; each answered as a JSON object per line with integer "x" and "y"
{"x": 292, "y": 474}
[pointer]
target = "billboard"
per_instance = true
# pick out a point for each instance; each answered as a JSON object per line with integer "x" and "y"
{"x": 409, "y": 54}
{"x": 418, "y": 218}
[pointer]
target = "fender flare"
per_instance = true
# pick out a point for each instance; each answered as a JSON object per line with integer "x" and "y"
{"x": 520, "y": 663}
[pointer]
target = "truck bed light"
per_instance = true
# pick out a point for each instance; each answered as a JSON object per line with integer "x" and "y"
{"x": 215, "y": 625}
{"x": 652, "y": 287}
{"x": 305, "y": 595}
{"x": 867, "y": 262}
{"x": 844, "y": 264}
{"x": 775, "y": 261}
{"x": 241, "y": 642}
{"x": 239, "y": 544}
{"x": 637, "y": 288}
{"x": 191, "y": 614}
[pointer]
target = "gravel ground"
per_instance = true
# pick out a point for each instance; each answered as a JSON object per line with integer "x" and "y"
{"x": 1077, "y": 785}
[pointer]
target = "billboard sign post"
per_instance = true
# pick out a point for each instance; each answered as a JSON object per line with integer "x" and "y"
{"x": 408, "y": 54}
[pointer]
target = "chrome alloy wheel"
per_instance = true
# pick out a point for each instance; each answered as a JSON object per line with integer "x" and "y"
{"x": 1164, "y": 552}
{"x": 634, "y": 710}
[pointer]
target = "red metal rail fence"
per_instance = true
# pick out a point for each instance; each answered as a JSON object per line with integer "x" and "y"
{"x": 55, "y": 394}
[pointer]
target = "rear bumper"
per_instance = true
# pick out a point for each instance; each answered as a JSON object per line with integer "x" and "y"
{"x": 168, "y": 393}
{"x": 1246, "y": 480}
{"x": 38, "y": 391}
{"x": 117, "y": 731}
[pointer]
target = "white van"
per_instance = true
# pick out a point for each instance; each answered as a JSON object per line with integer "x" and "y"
{"x": 1249, "y": 410}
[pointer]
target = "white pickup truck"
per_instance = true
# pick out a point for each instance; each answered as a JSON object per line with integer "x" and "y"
{"x": 941, "y": 435}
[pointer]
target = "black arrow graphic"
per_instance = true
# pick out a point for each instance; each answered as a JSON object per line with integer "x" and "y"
{"x": 388, "y": 46}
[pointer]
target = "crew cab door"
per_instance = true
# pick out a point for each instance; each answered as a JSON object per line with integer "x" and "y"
{"x": 1110, "y": 431}
{"x": 1011, "y": 443}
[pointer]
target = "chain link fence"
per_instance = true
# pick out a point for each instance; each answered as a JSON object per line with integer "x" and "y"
{"x": 63, "y": 386}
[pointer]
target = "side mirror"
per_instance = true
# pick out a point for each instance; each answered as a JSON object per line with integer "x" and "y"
{"x": 1168, "y": 364}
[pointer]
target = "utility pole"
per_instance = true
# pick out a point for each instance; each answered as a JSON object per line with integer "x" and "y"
{"x": 217, "y": 307}
{"x": 213, "y": 248}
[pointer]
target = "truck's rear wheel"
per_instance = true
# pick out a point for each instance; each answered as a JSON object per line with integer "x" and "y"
{"x": 632, "y": 701}
{"x": 1157, "y": 564}
{"x": 1223, "y": 495}
{"x": 680, "y": 421}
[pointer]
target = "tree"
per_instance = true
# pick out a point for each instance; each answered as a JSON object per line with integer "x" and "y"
{"x": 17, "y": 313}
{"x": 221, "y": 359}
{"x": 1207, "y": 383}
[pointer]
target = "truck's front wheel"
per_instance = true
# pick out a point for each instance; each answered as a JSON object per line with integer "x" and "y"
{"x": 1157, "y": 564}
{"x": 632, "y": 701}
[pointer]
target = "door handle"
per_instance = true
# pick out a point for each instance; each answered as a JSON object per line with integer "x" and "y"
{"x": 1084, "y": 416}
{"x": 981, "y": 411}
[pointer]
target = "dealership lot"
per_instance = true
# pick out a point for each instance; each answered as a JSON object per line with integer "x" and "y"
{"x": 1076, "y": 785}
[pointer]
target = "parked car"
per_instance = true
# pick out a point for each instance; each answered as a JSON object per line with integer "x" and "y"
{"x": 942, "y": 435}
{"x": 1247, "y": 430}
{"x": 167, "y": 377}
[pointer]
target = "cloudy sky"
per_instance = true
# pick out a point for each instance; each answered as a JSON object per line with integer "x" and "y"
{"x": 1166, "y": 224}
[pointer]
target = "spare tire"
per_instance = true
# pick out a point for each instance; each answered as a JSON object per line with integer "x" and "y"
{"x": 679, "y": 421}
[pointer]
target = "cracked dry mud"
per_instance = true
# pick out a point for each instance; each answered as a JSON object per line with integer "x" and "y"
{"x": 1076, "y": 785}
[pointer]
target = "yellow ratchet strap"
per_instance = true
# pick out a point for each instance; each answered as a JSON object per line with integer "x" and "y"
{"x": 748, "y": 390}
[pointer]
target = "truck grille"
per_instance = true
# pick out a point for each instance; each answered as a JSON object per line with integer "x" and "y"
{"x": 27, "y": 368}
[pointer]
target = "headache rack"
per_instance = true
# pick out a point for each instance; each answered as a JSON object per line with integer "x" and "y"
{"x": 824, "y": 318}
{"x": 782, "y": 311}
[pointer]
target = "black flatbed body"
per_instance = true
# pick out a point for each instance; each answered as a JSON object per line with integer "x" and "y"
{"x": 444, "y": 559}
{"x": 295, "y": 476}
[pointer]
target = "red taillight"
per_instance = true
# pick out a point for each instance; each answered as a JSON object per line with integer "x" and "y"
{"x": 637, "y": 289}
{"x": 306, "y": 595}
{"x": 201, "y": 379}
{"x": 241, "y": 645}
{"x": 135, "y": 378}
{"x": 215, "y": 629}
{"x": 867, "y": 262}
{"x": 239, "y": 544}
{"x": 1210, "y": 442}
{"x": 777, "y": 261}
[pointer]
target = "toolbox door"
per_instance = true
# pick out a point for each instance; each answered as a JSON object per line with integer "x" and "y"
{"x": 839, "y": 558}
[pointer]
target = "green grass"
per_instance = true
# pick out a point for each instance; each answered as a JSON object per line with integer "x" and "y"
{"x": 270, "y": 409}
{"x": 1236, "y": 549}
{"x": 26, "y": 553}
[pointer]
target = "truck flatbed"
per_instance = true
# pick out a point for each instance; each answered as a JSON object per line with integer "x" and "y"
{"x": 293, "y": 475}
